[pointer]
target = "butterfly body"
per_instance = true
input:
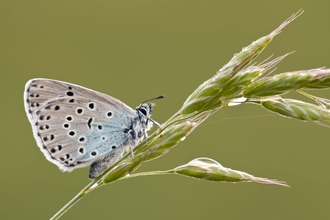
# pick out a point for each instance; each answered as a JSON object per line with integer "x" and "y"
{"x": 77, "y": 127}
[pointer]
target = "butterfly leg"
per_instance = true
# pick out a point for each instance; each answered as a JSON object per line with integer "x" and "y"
{"x": 145, "y": 138}
{"x": 131, "y": 149}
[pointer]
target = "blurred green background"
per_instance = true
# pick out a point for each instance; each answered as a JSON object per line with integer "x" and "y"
{"x": 135, "y": 50}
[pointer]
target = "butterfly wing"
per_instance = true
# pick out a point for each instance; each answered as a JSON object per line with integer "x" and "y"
{"x": 75, "y": 126}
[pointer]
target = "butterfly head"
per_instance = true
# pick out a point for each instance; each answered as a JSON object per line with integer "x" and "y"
{"x": 144, "y": 112}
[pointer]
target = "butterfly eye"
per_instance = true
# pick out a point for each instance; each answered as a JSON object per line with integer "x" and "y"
{"x": 143, "y": 111}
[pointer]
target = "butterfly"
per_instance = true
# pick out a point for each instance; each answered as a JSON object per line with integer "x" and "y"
{"x": 76, "y": 127}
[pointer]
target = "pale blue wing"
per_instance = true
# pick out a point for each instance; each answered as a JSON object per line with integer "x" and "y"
{"x": 73, "y": 125}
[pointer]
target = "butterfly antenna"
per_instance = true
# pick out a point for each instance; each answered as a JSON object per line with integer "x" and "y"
{"x": 158, "y": 97}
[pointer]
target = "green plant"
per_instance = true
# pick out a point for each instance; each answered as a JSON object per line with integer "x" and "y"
{"x": 237, "y": 82}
